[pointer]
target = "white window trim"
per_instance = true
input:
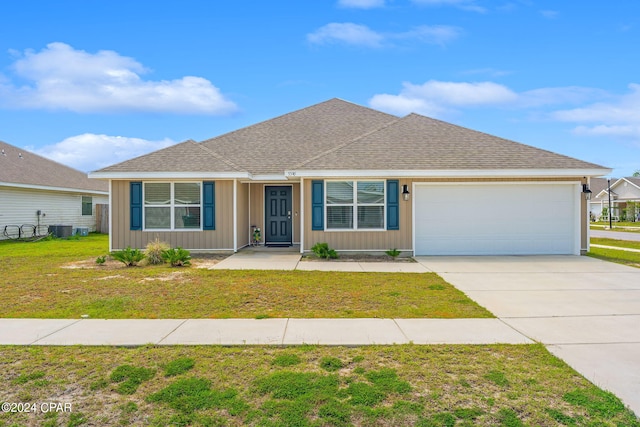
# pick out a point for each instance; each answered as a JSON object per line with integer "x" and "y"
{"x": 355, "y": 205}
{"x": 172, "y": 205}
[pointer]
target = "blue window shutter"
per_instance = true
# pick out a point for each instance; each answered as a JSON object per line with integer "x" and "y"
{"x": 135, "y": 204}
{"x": 393, "y": 204}
{"x": 209, "y": 205}
{"x": 317, "y": 205}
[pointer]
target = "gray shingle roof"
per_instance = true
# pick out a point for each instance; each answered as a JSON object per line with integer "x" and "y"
{"x": 339, "y": 135}
{"x": 275, "y": 145}
{"x": 416, "y": 142}
{"x": 32, "y": 169}
{"x": 188, "y": 156}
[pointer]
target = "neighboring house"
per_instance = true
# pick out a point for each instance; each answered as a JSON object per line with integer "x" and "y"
{"x": 625, "y": 200}
{"x": 31, "y": 184}
{"x": 358, "y": 179}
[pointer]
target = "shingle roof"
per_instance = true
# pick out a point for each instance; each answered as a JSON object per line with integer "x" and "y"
{"x": 339, "y": 135}
{"x": 18, "y": 166}
{"x": 416, "y": 142}
{"x": 188, "y": 156}
{"x": 275, "y": 145}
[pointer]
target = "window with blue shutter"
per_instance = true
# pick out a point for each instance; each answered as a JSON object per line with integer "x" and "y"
{"x": 135, "y": 205}
{"x": 209, "y": 205}
{"x": 317, "y": 205}
{"x": 393, "y": 204}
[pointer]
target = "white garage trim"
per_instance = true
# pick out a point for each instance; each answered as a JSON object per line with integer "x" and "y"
{"x": 477, "y": 230}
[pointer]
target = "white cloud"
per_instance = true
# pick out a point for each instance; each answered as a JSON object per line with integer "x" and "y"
{"x": 348, "y": 33}
{"x": 469, "y": 5}
{"x": 61, "y": 77}
{"x": 361, "y": 4}
{"x": 437, "y": 98}
{"x": 89, "y": 152}
{"x": 361, "y": 35}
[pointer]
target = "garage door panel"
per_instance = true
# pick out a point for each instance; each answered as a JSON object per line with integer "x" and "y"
{"x": 495, "y": 219}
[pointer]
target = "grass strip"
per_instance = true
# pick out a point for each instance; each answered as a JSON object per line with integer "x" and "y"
{"x": 374, "y": 385}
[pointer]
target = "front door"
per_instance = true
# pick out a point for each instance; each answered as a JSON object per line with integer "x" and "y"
{"x": 278, "y": 222}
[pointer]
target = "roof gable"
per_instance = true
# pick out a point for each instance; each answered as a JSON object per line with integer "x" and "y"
{"x": 24, "y": 168}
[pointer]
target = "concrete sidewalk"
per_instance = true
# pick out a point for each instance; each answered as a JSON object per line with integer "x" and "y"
{"x": 124, "y": 332}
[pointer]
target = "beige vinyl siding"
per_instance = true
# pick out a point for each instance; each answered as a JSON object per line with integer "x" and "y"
{"x": 19, "y": 205}
{"x": 360, "y": 240}
{"x": 243, "y": 214}
{"x": 401, "y": 239}
{"x": 219, "y": 239}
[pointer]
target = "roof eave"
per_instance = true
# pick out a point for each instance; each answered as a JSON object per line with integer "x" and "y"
{"x": 169, "y": 175}
{"x": 52, "y": 188}
{"x": 448, "y": 173}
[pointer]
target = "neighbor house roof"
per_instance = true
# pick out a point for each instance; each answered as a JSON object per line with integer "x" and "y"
{"x": 23, "y": 168}
{"x": 337, "y": 135}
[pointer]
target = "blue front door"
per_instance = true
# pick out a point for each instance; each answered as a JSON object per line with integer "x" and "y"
{"x": 278, "y": 221}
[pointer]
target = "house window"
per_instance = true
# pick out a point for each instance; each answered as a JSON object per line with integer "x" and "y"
{"x": 172, "y": 206}
{"x": 87, "y": 206}
{"x": 355, "y": 205}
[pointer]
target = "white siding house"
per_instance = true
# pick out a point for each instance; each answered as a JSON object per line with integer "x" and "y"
{"x": 37, "y": 191}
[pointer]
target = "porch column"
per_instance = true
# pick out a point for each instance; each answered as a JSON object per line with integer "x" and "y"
{"x": 302, "y": 215}
{"x": 235, "y": 215}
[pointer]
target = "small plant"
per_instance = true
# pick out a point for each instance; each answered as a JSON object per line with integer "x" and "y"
{"x": 154, "y": 251}
{"x": 101, "y": 259}
{"x": 129, "y": 257}
{"x": 393, "y": 253}
{"x": 177, "y": 257}
{"x": 331, "y": 364}
{"x": 179, "y": 366}
{"x": 323, "y": 250}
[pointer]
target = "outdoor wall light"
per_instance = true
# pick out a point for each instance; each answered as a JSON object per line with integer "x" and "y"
{"x": 405, "y": 192}
{"x": 586, "y": 191}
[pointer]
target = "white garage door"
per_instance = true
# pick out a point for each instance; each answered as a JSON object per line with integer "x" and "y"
{"x": 496, "y": 219}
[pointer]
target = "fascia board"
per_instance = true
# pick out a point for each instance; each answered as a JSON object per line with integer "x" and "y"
{"x": 48, "y": 188}
{"x": 169, "y": 175}
{"x": 449, "y": 173}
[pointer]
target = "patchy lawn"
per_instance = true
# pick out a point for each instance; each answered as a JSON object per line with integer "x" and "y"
{"x": 59, "y": 279}
{"x": 495, "y": 385}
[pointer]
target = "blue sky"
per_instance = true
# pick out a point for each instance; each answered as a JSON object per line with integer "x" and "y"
{"x": 91, "y": 83}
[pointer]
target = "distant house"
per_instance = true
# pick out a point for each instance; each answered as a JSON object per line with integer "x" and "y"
{"x": 625, "y": 199}
{"x": 35, "y": 191}
{"x": 357, "y": 179}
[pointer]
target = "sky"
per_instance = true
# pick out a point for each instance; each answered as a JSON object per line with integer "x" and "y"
{"x": 91, "y": 83}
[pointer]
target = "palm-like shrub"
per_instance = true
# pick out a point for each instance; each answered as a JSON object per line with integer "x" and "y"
{"x": 129, "y": 257}
{"x": 177, "y": 257}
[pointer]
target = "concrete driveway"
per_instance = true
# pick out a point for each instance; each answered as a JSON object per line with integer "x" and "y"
{"x": 586, "y": 311}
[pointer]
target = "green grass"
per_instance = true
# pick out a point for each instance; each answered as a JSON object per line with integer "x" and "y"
{"x": 38, "y": 285}
{"x": 614, "y": 255}
{"x": 446, "y": 385}
{"x": 616, "y": 242}
{"x": 617, "y": 226}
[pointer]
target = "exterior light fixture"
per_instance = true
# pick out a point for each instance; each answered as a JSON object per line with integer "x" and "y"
{"x": 405, "y": 192}
{"x": 586, "y": 191}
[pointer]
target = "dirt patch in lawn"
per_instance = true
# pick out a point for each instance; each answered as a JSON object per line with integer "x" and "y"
{"x": 198, "y": 261}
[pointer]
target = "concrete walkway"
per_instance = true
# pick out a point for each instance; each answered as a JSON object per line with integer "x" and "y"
{"x": 618, "y": 235}
{"x": 256, "y": 332}
{"x": 586, "y": 311}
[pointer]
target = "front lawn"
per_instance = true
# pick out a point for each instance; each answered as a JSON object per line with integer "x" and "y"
{"x": 498, "y": 385}
{"x": 615, "y": 255}
{"x": 59, "y": 279}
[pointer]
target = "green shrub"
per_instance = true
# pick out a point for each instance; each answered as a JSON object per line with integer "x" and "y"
{"x": 177, "y": 257}
{"x": 393, "y": 253}
{"x": 101, "y": 259}
{"x": 154, "y": 251}
{"x": 323, "y": 250}
{"x": 129, "y": 257}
